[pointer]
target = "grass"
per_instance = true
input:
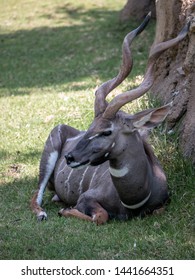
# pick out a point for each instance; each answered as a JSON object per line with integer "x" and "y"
{"x": 53, "y": 55}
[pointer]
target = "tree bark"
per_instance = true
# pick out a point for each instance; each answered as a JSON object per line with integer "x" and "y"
{"x": 137, "y": 10}
{"x": 175, "y": 70}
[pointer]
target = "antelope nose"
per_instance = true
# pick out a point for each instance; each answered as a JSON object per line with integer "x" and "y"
{"x": 69, "y": 158}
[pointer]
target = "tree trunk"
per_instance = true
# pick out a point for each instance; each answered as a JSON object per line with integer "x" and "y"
{"x": 175, "y": 70}
{"x": 137, "y": 10}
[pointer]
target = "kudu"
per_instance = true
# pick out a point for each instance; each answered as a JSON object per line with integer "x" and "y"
{"x": 120, "y": 175}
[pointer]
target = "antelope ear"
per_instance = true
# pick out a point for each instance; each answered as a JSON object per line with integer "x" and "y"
{"x": 151, "y": 118}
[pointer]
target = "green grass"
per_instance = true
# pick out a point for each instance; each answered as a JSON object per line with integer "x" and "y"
{"x": 53, "y": 55}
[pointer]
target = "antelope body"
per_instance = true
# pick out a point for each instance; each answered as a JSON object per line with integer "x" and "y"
{"x": 108, "y": 171}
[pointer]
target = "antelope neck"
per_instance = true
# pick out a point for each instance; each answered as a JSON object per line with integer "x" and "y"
{"x": 132, "y": 177}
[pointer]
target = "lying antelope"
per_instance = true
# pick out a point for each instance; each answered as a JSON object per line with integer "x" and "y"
{"x": 108, "y": 171}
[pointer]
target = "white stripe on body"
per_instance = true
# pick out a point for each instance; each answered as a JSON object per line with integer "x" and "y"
{"x": 104, "y": 173}
{"x": 93, "y": 175}
{"x": 61, "y": 170}
{"x": 95, "y": 172}
{"x": 81, "y": 182}
{"x": 68, "y": 178}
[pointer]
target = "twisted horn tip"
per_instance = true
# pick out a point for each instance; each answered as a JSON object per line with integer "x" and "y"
{"x": 185, "y": 29}
{"x": 144, "y": 23}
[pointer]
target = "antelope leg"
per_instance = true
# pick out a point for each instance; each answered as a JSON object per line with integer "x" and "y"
{"x": 73, "y": 212}
{"x": 48, "y": 161}
{"x": 97, "y": 214}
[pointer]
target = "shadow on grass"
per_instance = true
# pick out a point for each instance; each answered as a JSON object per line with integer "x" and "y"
{"x": 58, "y": 55}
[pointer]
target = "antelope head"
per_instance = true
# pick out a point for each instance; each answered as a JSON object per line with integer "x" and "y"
{"x": 107, "y": 136}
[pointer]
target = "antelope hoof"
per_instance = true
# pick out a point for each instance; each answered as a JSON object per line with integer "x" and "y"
{"x": 60, "y": 213}
{"x": 159, "y": 211}
{"x": 66, "y": 212}
{"x": 100, "y": 218}
{"x": 42, "y": 216}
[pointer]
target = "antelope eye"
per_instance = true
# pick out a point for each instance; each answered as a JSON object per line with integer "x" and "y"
{"x": 107, "y": 133}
